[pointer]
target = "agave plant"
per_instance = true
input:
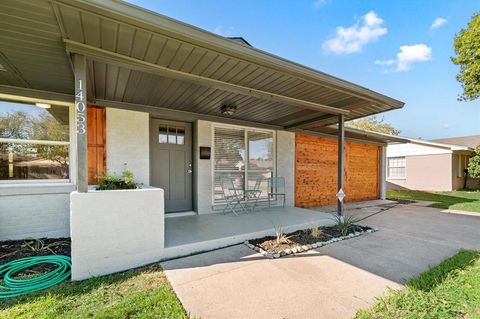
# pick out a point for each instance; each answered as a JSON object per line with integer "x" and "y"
{"x": 345, "y": 223}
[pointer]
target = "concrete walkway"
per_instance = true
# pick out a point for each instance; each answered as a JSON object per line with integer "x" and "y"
{"x": 331, "y": 282}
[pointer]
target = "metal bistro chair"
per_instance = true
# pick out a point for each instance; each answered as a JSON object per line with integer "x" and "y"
{"x": 233, "y": 197}
{"x": 252, "y": 195}
{"x": 276, "y": 187}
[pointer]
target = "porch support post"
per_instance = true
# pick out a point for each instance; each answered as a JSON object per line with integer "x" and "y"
{"x": 341, "y": 173}
{"x": 383, "y": 175}
{"x": 80, "y": 73}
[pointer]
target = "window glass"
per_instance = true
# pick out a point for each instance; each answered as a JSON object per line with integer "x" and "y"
{"x": 172, "y": 135}
{"x": 260, "y": 150}
{"x": 229, "y": 149}
{"x": 162, "y": 134}
{"x": 231, "y": 146}
{"x": 257, "y": 180}
{"x": 396, "y": 167}
{"x": 34, "y": 142}
{"x": 237, "y": 179}
{"x": 180, "y": 135}
{"x": 33, "y": 161}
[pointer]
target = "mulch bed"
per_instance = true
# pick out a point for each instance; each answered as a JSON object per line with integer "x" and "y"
{"x": 15, "y": 249}
{"x": 303, "y": 240}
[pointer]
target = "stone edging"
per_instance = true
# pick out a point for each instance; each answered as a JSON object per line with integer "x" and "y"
{"x": 304, "y": 248}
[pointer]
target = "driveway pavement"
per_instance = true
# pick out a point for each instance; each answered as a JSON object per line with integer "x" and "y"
{"x": 330, "y": 282}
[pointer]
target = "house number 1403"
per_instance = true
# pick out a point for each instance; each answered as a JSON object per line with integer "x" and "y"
{"x": 80, "y": 109}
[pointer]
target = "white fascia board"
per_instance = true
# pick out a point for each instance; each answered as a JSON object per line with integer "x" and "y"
{"x": 415, "y": 149}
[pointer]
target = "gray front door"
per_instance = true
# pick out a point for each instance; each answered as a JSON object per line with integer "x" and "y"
{"x": 171, "y": 162}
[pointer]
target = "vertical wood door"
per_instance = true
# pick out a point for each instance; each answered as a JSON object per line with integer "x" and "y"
{"x": 96, "y": 143}
{"x": 171, "y": 163}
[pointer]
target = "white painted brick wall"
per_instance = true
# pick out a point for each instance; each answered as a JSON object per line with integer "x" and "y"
{"x": 128, "y": 143}
{"x": 115, "y": 230}
{"x": 31, "y": 213}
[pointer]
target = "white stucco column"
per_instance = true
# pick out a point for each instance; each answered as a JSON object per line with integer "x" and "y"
{"x": 286, "y": 163}
{"x": 203, "y": 179}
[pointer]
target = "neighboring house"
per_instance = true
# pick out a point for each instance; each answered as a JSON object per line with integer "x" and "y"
{"x": 178, "y": 106}
{"x": 436, "y": 165}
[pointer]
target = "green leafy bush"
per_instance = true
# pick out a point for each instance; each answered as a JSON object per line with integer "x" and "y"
{"x": 474, "y": 164}
{"x": 112, "y": 182}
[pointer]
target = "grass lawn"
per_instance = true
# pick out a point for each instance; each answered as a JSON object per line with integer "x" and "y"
{"x": 138, "y": 293}
{"x": 449, "y": 290}
{"x": 460, "y": 200}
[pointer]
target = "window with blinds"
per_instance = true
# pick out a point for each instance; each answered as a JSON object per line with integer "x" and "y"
{"x": 396, "y": 167}
{"x": 245, "y": 155}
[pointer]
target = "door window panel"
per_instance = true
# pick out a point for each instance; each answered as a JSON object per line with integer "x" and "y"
{"x": 180, "y": 135}
{"x": 162, "y": 135}
{"x": 171, "y": 135}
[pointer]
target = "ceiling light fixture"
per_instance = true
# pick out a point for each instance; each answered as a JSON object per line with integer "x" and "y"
{"x": 43, "y": 105}
{"x": 228, "y": 110}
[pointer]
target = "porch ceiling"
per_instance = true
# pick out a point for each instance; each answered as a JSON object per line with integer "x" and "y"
{"x": 34, "y": 56}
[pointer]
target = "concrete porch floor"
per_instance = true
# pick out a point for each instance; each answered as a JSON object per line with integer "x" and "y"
{"x": 192, "y": 234}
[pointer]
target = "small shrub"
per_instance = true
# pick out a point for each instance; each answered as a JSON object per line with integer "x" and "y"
{"x": 36, "y": 245}
{"x": 316, "y": 232}
{"x": 280, "y": 236}
{"x": 112, "y": 182}
{"x": 345, "y": 223}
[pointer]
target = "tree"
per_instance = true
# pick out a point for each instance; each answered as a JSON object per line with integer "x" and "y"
{"x": 374, "y": 124}
{"x": 474, "y": 164}
{"x": 16, "y": 125}
{"x": 467, "y": 48}
{"x": 46, "y": 127}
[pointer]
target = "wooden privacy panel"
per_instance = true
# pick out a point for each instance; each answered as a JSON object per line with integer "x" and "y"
{"x": 316, "y": 171}
{"x": 96, "y": 143}
{"x": 362, "y": 172}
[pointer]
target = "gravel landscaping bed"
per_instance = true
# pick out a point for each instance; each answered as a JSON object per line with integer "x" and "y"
{"x": 15, "y": 249}
{"x": 304, "y": 240}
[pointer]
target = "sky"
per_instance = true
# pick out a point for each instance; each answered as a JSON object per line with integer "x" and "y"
{"x": 398, "y": 48}
{"x": 11, "y": 107}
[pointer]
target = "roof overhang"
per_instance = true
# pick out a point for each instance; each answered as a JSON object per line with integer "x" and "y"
{"x": 137, "y": 57}
{"x": 445, "y": 146}
{"x": 357, "y": 135}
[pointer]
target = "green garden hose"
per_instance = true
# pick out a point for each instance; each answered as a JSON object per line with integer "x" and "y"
{"x": 15, "y": 287}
